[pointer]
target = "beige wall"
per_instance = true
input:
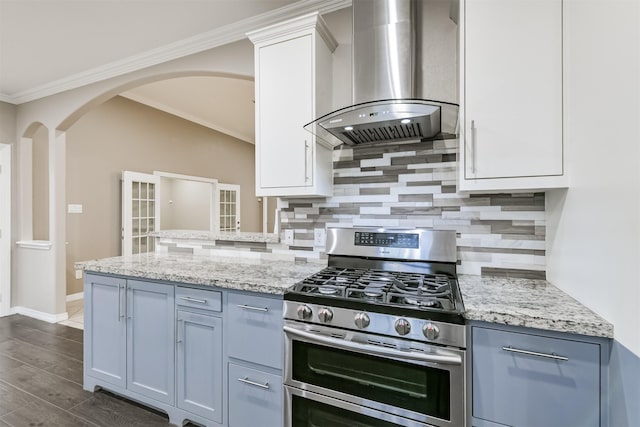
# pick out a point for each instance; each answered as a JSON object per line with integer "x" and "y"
{"x": 40, "y": 182}
{"x": 185, "y": 204}
{"x": 7, "y": 123}
{"x": 124, "y": 135}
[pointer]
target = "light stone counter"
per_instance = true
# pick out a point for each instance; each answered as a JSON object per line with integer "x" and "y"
{"x": 518, "y": 302}
{"x": 247, "y": 274}
{"x": 208, "y": 235}
{"x": 529, "y": 303}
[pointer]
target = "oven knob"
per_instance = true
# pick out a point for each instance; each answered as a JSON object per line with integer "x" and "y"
{"x": 403, "y": 326}
{"x": 304, "y": 312}
{"x": 430, "y": 331}
{"x": 362, "y": 320}
{"x": 325, "y": 315}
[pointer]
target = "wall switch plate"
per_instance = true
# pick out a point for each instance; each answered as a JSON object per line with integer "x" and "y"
{"x": 288, "y": 236}
{"x": 319, "y": 237}
{"x": 77, "y": 209}
{"x": 78, "y": 274}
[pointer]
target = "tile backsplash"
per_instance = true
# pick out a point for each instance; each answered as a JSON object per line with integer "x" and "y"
{"x": 414, "y": 185}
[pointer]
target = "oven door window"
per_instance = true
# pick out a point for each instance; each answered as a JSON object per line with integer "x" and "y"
{"x": 309, "y": 413}
{"x": 416, "y": 388}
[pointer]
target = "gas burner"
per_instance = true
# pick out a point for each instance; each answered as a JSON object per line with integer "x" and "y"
{"x": 423, "y": 302}
{"x": 329, "y": 289}
{"x": 373, "y": 291}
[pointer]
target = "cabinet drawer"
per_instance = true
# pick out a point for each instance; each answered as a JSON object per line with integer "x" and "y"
{"x": 516, "y": 383}
{"x": 255, "y": 329}
{"x": 255, "y": 397}
{"x": 199, "y": 298}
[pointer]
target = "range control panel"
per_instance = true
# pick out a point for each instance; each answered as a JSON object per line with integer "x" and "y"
{"x": 387, "y": 240}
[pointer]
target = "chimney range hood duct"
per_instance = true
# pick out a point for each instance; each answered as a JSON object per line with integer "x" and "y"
{"x": 389, "y": 103}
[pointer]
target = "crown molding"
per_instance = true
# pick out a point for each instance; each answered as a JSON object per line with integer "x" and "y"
{"x": 192, "y": 45}
{"x": 183, "y": 115}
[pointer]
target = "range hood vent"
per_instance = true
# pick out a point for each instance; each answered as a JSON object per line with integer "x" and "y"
{"x": 388, "y": 81}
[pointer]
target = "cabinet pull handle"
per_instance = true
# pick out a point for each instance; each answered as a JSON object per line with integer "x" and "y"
{"x": 119, "y": 304}
{"x": 535, "y": 353}
{"x": 249, "y": 307}
{"x": 473, "y": 146}
{"x": 190, "y": 299}
{"x": 246, "y": 380}
{"x": 306, "y": 160}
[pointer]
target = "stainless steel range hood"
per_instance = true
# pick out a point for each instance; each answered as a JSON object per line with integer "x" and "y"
{"x": 390, "y": 100}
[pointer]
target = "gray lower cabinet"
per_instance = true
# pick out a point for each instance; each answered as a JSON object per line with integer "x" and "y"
{"x": 105, "y": 356}
{"x": 210, "y": 356}
{"x": 199, "y": 367}
{"x": 524, "y": 377}
{"x": 130, "y": 334}
{"x": 150, "y": 340}
{"x": 255, "y": 397}
{"x": 255, "y": 359}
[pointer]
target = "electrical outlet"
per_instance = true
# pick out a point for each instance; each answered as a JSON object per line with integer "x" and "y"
{"x": 288, "y": 236}
{"x": 78, "y": 274}
{"x": 319, "y": 237}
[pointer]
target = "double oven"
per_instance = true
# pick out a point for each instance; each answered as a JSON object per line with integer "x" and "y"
{"x": 377, "y": 339}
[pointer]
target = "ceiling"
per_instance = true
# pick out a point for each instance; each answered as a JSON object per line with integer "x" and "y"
{"x": 220, "y": 103}
{"x": 49, "y": 46}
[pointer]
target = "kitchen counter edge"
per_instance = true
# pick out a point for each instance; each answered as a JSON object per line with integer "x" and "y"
{"x": 528, "y": 303}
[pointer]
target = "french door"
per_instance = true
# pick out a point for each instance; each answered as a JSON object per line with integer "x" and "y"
{"x": 140, "y": 211}
{"x": 229, "y": 205}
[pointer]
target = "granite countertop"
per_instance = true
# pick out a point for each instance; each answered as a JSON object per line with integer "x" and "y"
{"x": 208, "y": 235}
{"x": 247, "y": 274}
{"x": 529, "y": 303}
{"x": 518, "y": 302}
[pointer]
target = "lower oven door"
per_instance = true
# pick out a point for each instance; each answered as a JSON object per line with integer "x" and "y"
{"x": 408, "y": 380}
{"x": 308, "y": 409}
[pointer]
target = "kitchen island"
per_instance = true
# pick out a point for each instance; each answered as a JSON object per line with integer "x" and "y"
{"x": 155, "y": 313}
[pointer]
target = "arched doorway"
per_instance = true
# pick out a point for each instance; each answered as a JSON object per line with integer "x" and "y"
{"x": 105, "y": 140}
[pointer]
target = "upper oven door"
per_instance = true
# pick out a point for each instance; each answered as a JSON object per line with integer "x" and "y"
{"x": 408, "y": 379}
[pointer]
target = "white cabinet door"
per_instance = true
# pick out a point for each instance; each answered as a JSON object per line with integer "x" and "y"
{"x": 140, "y": 211}
{"x": 512, "y": 104}
{"x": 285, "y": 97}
{"x": 293, "y": 77}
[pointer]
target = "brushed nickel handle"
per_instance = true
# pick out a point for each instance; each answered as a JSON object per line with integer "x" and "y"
{"x": 120, "y": 316}
{"x": 535, "y": 353}
{"x": 190, "y": 299}
{"x": 473, "y": 146}
{"x": 246, "y": 380}
{"x": 306, "y": 160}
{"x": 250, "y": 307}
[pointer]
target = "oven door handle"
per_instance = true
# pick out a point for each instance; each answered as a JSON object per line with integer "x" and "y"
{"x": 443, "y": 357}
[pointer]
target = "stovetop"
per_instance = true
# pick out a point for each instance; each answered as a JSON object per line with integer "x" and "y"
{"x": 401, "y": 272}
{"x": 432, "y": 296}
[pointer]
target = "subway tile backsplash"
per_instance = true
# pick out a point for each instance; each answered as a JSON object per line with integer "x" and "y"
{"x": 414, "y": 185}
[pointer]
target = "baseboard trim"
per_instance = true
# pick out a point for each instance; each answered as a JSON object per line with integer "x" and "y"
{"x": 40, "y": 315}
{"x": 75, "y": 297}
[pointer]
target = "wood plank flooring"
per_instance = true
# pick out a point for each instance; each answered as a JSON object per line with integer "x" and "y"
{"x": 41, "y": 381}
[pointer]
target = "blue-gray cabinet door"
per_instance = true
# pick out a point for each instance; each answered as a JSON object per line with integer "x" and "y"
{"x": 257, "y": 329}
{"x": 527, "y": 380}
{"x": 255, "y": 397}
{"x": 105, "y": 329}
{"x": 151, "y": 340}
{"x": 199, "y": 376}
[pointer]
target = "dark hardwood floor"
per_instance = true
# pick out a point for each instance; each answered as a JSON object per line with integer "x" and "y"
{"x": 41, "y": 381}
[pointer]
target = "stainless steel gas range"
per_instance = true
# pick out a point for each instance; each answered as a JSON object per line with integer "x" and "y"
{"x": 377, "y": 338}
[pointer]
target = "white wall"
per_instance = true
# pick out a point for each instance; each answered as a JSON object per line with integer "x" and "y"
{"x": 594, "y": 227}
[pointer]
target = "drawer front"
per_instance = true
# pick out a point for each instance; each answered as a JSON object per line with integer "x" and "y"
{"x": 199, "y": 298}
{"x": 523, "y": 389}
{"x": 255, "y": 329}
{"x": 255, "y": 397}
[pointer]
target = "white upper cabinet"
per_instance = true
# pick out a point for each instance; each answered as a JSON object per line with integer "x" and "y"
{"x": 293, "y": 68}
{"x": 511, "y": 92}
